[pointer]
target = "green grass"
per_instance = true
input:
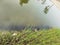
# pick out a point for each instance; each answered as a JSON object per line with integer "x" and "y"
{"x": 29, "y": 37}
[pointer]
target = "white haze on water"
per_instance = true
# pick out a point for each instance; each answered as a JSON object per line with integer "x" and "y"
{"x": 11, "y": 12}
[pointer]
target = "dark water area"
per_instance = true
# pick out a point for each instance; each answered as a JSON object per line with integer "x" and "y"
{"x": 24, "y": 27}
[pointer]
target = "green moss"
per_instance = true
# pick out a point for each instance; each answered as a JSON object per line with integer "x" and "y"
{"x": 29, "y": 37}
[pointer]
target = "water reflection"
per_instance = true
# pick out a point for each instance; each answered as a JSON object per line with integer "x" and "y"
{"x": 30, "y": 14}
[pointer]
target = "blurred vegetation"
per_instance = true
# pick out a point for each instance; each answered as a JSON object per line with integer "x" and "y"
{"x": 43, "y": 2}
{"x": 26, "y": 1}
{"x": 23, "y": 1}
{"x": 46, "y": 9}
{"x": 30, "y": 37}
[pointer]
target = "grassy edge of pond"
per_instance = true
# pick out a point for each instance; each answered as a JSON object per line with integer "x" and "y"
{"x": 29, "y": 37}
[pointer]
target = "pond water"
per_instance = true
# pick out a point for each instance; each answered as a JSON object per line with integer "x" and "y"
{"x": 11, "y": 12}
